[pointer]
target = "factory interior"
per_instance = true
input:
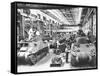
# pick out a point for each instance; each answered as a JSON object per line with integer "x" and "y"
{"x": 55, "y": 38}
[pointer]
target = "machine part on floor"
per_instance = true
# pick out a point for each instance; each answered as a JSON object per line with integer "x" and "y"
{"x": 56, "y": 62}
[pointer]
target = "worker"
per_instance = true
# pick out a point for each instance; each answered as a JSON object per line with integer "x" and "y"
{"x": 31, "y": 33}
{"x": 91, "y": 37}
{"x": 67, "y": 50}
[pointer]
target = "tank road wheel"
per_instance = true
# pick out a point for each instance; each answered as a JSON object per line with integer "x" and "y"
{"x": 33, "y": 59}
{"x": 93, "y": 62}
{"x": 73, "y": 61}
